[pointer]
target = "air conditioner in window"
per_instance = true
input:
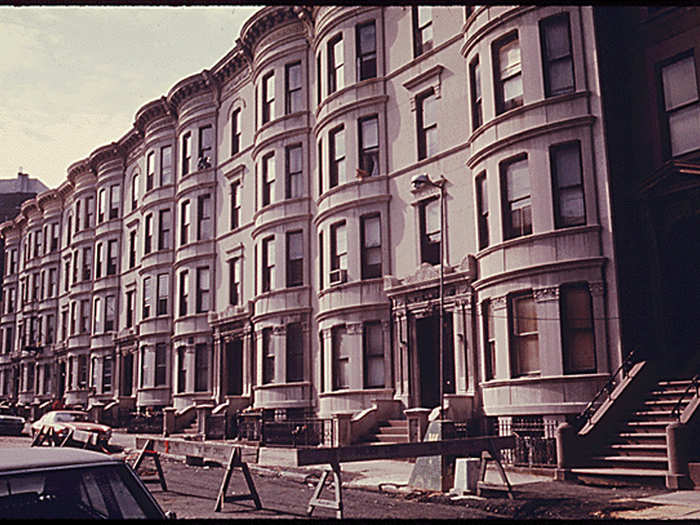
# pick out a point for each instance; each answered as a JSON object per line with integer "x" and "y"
{"x": 339, "y": 276}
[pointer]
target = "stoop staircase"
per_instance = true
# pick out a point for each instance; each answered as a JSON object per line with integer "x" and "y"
{"x": 391, "y": 431}
{"x": 637, "y": 452}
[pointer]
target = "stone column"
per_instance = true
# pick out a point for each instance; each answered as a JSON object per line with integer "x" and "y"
{"x": 342, "y": 429}
{"x": 417, "y": 423}
{"x": 327, "y": 360}
{"x": 401, "y": 356}
{"x": 459, "y": 345}
{"x": 566, "y": 450}
{"x": 500, "y": 325}
{"x": 190, "y": 368}
{"x": 217, "y": 368}
{"x": 168, "y": 421}
{"x": 677, "y": 445}
{"x": 203, "y": 411}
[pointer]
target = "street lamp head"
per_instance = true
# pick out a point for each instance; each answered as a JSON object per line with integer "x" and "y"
{"x": 418, "y": 181}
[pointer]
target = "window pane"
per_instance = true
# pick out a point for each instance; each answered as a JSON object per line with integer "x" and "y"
{"x": 513, "y": 87}
{"x": 295, "y": 159}
{"x": 432, "y": 218}
{"x": 294, "y": 76}
{"x": 680, "y": 83}
{"x": 557, "y": 38}
{"x": 517, "y": 180}
{"x": 372, "y": 232}
{"x": 367, "y": 39}
{"x": 525, "y": 315}
{"x": 341, "y": 241}
{"x": 295, "y": 246}
{"x": 561, "y": 76}
{"x": 578, "y": 308}
{"x": 429, "y": 109}
{"x": 509, "y": 58}
{"x": 528, "y": 355}
{"x": 685, "y": 129}
{"x": 370, "y": 133}
{"x": 568, "y": 166}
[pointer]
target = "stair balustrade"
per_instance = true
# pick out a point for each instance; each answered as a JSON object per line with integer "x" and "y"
{"x": 677, "y": 409}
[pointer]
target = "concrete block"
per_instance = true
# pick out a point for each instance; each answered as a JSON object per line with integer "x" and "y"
{"x": 466, "y": 474}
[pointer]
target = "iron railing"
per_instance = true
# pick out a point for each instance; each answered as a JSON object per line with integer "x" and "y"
{"x": 535, "y": 445}
{"x": 606, "y": 390}
{"x": 694, "y": 383}
{"x": 144, "y": 423}
{"x": 303, "y": 432}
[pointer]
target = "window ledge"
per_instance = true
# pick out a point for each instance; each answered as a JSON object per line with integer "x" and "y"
{"x": 523, "y": 380}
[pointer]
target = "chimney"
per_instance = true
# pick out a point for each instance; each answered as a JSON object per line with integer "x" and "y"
{"x": 22, "y": 182}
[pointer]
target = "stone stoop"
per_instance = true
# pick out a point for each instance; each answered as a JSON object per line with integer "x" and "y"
{"x": 637, "y": 453}
{"x": 391, "y": 431}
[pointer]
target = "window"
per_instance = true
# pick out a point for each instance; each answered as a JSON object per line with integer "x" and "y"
{"x": 132, "y": 249}
{"x": 557, "y": 59}
{"x": 369, "y": 146}
{"x": 235, "y": 205}
{"x": 114, "y": 199}
{"x": 336, "y": 74}
{"x": 50, "y": 328}
{"x": 268, "y": 97}
{"x": 341, "y": 358}
{"x": 107, "y": 375}
{"x": 184, "y": 291}
{"x": 578, "y": 339}
{"x": 427, "y": 124}
{"x": 77, "y": 224}
{"x": 295, "y": 259}
{"x": 206, "y": 141}
{"x": 569, "y": 209}
{"x": 111, "y": 257}
{"x": 53, "y": 281}
{"x": 87, "y": 262}
{"x": 319, "y": 163}
{"x": 268, "y": 263}
{"x": 69, "y": 230}
{"x": 337, "y": 156}
{"x": 371, "y": 242}
{"x": 475, "y": 85}
{"x": 184, "y": 222}
{"x": 268, "y": 355}
{"x": 161, "y": 364}
{"x": 135, "y": 191}
{"x": 89, "y": 212}
{"x": 203, "y": 290}
{"x": 268, "y": 179}
{"x": 150, "y": 169}
{"x": 507, "y": 70}
{"x": 366, "y": 43}
{"x": 163, "y": 293}
{"x": 73, "y": 306}
{"x": 166, "y": 165}
{"x": 681, "y": 105}
{"x": 429, "y": 219}
{"x": 525, "y": 356}
{"x": 84, "y": 316}
{"x": 292, "y": 81}
{"x": 98, "y": 260}
{"x": 186, "y": 152}
{"x": 515, "y": 184}
{"x": 204, "y": 225}
{"x": 146, "y": 311}
{"x": 422, "y": 30}
{"x": 373, "y": 350}
{"x": 295, "y": 352}
{"x": 66, "y": 272}
{"x": 110, "y": 313}
{"x": 76, "y": 270}
{"x": 37, "y": 243}
{"x": 320, "y": 261}
{"x": 181, "y": 370}
{"x": 489, "y": 329}
{"x": 101, "y": 204}
{"x": 482, "y": 210}
{"x": 82, "y": 371}
{"x": 319, "y": 77}
{"x": 45, "y": 247}
{"x": 129, "y": 309}
{"x": 293, "y": 169}
{"x": 97, "y": 328}
{"x": 339, "y": 253}
{"x": 235, "y": 131}
{"x": 164, "y": 229}
{"x": 201, "y": 367}
{"x": 234, "y": 273}
{"x": 148, "y": 234}
{"x": 144, "y": 366}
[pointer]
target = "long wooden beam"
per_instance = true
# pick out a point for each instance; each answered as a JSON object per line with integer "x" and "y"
{"x": 449, "y": 447}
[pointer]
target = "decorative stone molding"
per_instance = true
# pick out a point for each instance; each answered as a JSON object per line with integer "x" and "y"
{"x": 597, "y": 288}
{"x": 279, "y": 330}
{"x": 550, "y": 293}
{"x": 500, "y": 302}
{"x": 423, "y": 81}
{"x": 425, "y": 272}
{"x": 354, "y": 328}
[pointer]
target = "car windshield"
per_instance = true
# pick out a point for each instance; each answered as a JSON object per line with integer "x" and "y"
{"x": 104, "y": 492}
{"x": 68, "y": 417}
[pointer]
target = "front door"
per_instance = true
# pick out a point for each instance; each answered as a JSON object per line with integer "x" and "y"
{"x": 61, "y": 379}
{"x": 234, "y": 367}
{"x": 428, "y": 349}
{"x": 128, "y": 374}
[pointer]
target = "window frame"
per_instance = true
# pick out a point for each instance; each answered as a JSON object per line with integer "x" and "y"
{"x": 268, "y": 170}
{"x": 293, "y": 179}
{"x": 503, "y": 105}
{"x": 336, "y": 65}
{"x": 475, "y": 94}
{"x": 268, "y": 97}
{"x": 517, "y": 338}
{"x": 507, "y": 211}
{"x": 203, "y": 299}
{"x": 365, "y": 57}
{"x": 268, "y": 356}
{"x": 370, "y": 355}
{"x": 166, "y": 168}
{"x": 336, "y": 164}
{"x": 295, "y": 267}
{"x": 162, "y": 281}
{"x": 267, "y": 265}
{"x": 421, "y": 45}
{"x": 367, "y": 151}
{"x": 425, "y": 129}
{"x": 294, "y": 352}
{"x": 554, "y": 149}
{"x": 370, "y": 271}
{"x": 567, "y": 330}
{"x": 482, "y": 209}
{"x": 547, "y": 62}
{"x": 235, "y": 204}
{"x": 235, "y": 131}
{"x": 292, "y": 93}
{"x": 430, "y": 251}
{"x": 185, "y": 153}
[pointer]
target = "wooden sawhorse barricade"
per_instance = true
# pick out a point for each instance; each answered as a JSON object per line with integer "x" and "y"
{"x": 488, "y": 447}
{"x": 74, "y": 438}
{"x": 148, "y": 452}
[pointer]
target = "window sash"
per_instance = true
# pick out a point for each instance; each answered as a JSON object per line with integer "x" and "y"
{"x": 204, "y": 222}
{"x": 373, "y": 352}
{"x": 201, "y": 366}
{"x": 422, "y": 30}
{"x": 427, "y": 124}
{"x": 371, "y": 246}
{"x": 235, "y": 205}
{"x": 341, "y": 358}
{"x": 336, "y": 77}
{"x": 161, "y": 356}
{"x": 366, "y": 42}
{"x": 203, "y": 290}
{"x": 268, "y": 179}
{"x": 507, "y": 73}
{"x": 569, "y": 206}
{"x": 294, "y": 352}
{"x": 114, "y": 200}
{"x": 369, "y": 145}
{"x": 146, "y": 313}
{"x": 234, "y": 281}
{"x": 150, "y": 169}
{"x": 339, "y": 259}
{"x": 557, "y": 58}
{"x": 294, "y": 171}
{"x": 524, "y": 335}
{"x": 337, "y": 173}
{"x": 235, "y": 131}
{"x": 267, "y": 263}
{"x": 516, "y": 190}
{"x": 268, "y": 357}
{"x": 268, "y": 96}
{"x": 482, "y": 210}
{"x": 184, "y": 291}
{"x": 577, "y": 328}
{"x": 475, "y": 84}
{"x": 295, "y": 259}
{"x": 292, "y": 77}
{"x": 206, "y": 141}
{"x": 166, "y": 165}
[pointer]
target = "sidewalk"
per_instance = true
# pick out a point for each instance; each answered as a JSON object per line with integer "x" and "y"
{"x": 393, "y": 476}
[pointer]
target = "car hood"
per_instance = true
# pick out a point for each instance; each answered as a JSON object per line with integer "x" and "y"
{"x": 86, "y": 426}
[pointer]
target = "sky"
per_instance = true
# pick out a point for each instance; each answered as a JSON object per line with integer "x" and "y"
{"x": 73, "y": 78}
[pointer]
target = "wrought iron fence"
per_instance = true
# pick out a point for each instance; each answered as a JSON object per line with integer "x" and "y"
{"x": 144, "y": 423}
{"x": 535, "y": 445}
{"x": 271, "y": 429}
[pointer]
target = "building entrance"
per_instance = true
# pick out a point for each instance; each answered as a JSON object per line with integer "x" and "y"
{"x": 234, "y": 367}
{"x": 428, "y": 349}
{"x": 127, "y": 374}
{"x": 680, "y": 253}
{"x": 61, "y": 379}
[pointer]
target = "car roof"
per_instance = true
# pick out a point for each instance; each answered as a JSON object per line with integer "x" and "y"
{"x": 46, "y": 457}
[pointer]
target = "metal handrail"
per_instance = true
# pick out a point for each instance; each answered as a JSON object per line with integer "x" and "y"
{"x": 694, "y": 382}
{"x": 606, "y": 390}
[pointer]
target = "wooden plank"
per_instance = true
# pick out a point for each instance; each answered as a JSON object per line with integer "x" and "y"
{"x": 447, "y": 447}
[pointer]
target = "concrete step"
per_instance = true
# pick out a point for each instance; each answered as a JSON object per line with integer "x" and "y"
{"x": 641, "y": 426}
{"x": 634, "y": 462}
{"x": 641, "y": 438}
{"x": 673, "y": 382}
{"x": 639, "y": 450}
{"x": 619, "y": 476}
{"x": 396, "y": 423}
{"x": 391, "y": 438}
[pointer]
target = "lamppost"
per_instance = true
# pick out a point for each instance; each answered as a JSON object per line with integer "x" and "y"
{"x": 418, "y": 181}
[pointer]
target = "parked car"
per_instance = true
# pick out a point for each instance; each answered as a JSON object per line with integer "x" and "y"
{"x": 11, "y": 424}
{"x": 70, "y": 483}
{"x": 63, "y": 421}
